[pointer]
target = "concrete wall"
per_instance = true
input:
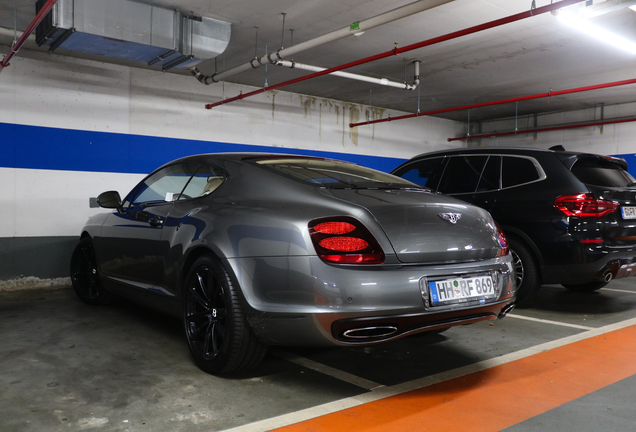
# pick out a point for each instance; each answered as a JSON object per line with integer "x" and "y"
{"x": 72, "y": 128}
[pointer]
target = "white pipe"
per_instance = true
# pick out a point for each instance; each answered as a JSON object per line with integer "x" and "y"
{"x": 381, "y": 81}
{"x": 355, "y": 28}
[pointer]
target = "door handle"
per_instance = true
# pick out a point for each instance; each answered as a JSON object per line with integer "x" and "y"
{"x": 156, "y": 222}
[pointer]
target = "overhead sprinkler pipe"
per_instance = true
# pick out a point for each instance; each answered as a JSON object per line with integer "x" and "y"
{"x": 545, "y": 129}
{"x": 397, "y": 51}
{"x": 373, "y": 80}
{"x": 551, "y": 93}
{"x": 357, "y": 28}
{"x": 30, "y": 29}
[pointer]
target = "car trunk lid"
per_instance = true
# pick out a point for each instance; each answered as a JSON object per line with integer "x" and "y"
{"x": 425, "y": 227}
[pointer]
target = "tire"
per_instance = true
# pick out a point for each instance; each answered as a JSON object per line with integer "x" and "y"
{"x": 85, "y": 276}
{"x": 587, "y": 287}
{"x": 219, "y": 337}
{"x": 526, "y": 271}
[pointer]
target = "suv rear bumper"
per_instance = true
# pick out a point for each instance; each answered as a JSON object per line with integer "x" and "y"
{"x": 593, "y": 263}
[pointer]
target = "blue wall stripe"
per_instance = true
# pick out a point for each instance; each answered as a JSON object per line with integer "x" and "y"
{"x": 36, "y": 147}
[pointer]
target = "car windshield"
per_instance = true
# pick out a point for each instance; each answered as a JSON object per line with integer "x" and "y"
{"x": 334, "y": 174}
{"x": 602, "y": 173}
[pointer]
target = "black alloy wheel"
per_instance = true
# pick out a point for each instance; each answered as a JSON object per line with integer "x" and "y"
{"x": 85, "y": 276}
{"x": 586, "y": 287}
{"x": 219, "y": 337}
{"x": 526, "y": 268}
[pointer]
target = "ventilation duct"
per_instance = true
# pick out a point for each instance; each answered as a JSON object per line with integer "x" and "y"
{"x": 129, "y": 30}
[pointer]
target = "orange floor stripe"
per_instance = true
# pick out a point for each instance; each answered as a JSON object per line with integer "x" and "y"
{"x": 495, "y": 398}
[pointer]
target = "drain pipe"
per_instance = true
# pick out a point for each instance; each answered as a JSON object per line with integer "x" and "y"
{"x": 545, "y": 129}
{"x": 25, "y": 35}
{"x": 381, "y": 81}
{"x": 397, "y": 51}
{"x": 356, "y": 28}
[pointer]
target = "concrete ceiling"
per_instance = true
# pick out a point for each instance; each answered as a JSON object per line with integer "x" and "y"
{"x": 517, "y": 59}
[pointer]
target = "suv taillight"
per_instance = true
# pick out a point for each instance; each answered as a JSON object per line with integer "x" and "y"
{"x": 344, "y": 240}
{"x": 584, "y": 205}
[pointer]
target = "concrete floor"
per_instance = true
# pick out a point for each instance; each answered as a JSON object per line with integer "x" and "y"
{"x": 68, "y": 366}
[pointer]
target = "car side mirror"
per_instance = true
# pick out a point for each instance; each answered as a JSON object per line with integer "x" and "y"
{"x": 109, "y": 199}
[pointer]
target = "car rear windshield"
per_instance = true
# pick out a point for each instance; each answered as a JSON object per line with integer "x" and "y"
{"x": 334, "y": 174}
{"x": 600, "y": 172}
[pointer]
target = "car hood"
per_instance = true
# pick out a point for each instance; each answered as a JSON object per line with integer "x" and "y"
{"x": 420, "y": 227}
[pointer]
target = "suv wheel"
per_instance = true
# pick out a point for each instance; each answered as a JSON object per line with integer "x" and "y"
{"x": 526, "y": 269}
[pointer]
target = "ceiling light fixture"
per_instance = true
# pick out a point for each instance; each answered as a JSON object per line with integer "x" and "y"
{"x": 597, "y": 32}
{"x": 633, "y": 8}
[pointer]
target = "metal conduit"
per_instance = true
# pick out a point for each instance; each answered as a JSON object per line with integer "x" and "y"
{"x": 357, "y": 27}
{"x": 396, "y": 51}
{"x": 499, "y": 102}
{"x": 30, "y": 29}
{"x": 546, "y": 129}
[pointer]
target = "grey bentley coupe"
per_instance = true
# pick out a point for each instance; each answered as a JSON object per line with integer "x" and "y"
{"x": 252, "y": 250}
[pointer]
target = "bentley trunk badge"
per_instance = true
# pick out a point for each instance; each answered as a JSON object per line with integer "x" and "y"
{"x": 451, "y": 217}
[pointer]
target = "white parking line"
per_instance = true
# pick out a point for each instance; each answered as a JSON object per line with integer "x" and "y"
{"x": 384, "y": 392}
{"x": 327, "y": 370}
{"x": 617, "y": 290}
{"x": 559, "y": 323}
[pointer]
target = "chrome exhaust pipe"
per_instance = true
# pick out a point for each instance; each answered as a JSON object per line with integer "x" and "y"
{"x": 370, "y": 332}
{"x": 505, "y": 311}
{"x": 608, "y": 276}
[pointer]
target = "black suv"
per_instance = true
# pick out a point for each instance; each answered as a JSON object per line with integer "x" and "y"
{"x": 570, "y": 218}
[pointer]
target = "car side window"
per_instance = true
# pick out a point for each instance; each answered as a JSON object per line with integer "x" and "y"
{"x": 165, "y": 185}
{"x": 204, "y": 181}
{"x": 517, "y": 170}
{"x": 462, "y": 174}
{"x": 491, "y": 175}
{"x": 424, "y": 172}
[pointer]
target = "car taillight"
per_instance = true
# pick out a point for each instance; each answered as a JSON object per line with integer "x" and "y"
{"x": 344, "y": 240}
{"x": 584, "y": 205}
{"x": 503, "y": 241}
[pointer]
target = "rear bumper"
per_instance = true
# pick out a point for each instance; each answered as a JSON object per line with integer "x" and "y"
{"x": 303, "y": 301}
{"x": 593, "y": 263}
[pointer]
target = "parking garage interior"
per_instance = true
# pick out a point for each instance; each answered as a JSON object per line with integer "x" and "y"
{"x": 83, "y": 113}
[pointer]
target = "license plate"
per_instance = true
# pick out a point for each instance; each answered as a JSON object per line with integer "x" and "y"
{"x": 628, "y": 212}
{"x": 460, "y": 290}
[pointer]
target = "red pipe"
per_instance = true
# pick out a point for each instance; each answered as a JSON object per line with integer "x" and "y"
{"x": 30, "y": 29}
{"x": 397, "y": 51}
{"x": 499, "y": 102}
{"x": 545, "y": 129}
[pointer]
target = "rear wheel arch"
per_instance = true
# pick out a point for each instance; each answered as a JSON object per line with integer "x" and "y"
{"x": 527, "y": 270}
{"x": 522, "y": 237}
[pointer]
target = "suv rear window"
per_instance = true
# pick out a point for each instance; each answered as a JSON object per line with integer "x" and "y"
{"x": 600, "y": 172}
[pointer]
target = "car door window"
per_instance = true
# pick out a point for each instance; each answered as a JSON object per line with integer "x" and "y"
{"x": 462, "y": 174}
{"x": 491, "y": 175}
{"x": 165, "y": 185}
{"x": 424, "y": 172}
{"x": 517, "y": 170}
